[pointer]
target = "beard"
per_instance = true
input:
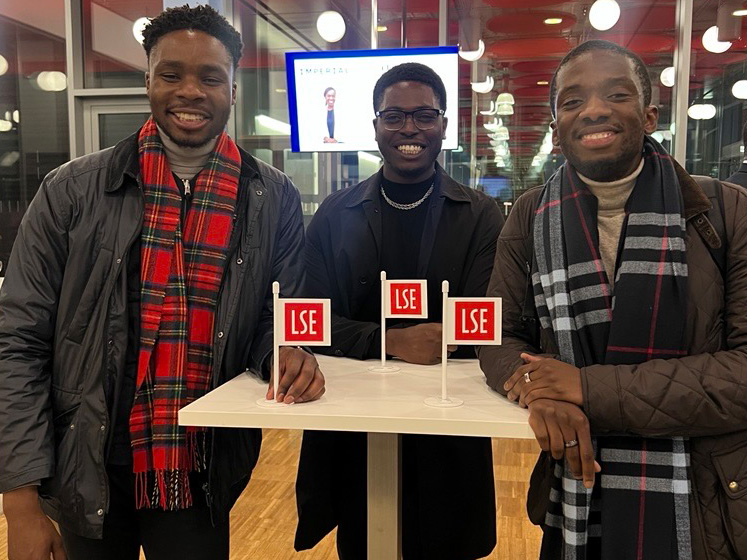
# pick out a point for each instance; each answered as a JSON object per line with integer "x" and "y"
{"x": 608, "y": 169}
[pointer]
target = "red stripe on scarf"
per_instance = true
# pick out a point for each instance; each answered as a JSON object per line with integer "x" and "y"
{"x": 181, "y": 273}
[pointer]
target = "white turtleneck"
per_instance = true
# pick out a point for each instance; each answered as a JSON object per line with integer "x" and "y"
{"x": 611, "y": 198}
{"x": 186, "y": 162}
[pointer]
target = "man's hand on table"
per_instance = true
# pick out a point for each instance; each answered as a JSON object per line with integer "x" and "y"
{"x": 301, "y": 380}
{"x": 419, "y": 344}
{"x": 547, "y": 379}
{"x": 562, "y": 429}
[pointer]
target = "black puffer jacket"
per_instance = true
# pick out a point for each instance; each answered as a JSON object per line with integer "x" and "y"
{"x": 63, "y": 326}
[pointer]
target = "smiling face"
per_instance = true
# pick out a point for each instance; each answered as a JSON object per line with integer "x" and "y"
{"x": 601, "y": 120}
{"x": 409, "y": 153}
{"x": 329, "y": 99}
{"x": 190, "y": 86}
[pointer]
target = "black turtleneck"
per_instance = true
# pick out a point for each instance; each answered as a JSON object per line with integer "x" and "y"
{"x": 402, "y": 230}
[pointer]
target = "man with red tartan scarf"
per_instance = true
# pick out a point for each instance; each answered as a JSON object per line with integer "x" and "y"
{"x": 139, "y": 280}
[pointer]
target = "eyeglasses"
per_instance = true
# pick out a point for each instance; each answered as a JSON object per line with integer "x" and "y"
{"x": 424, "y": 119}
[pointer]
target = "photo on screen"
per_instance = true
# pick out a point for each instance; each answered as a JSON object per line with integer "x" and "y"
{"x": 330, "y": 95}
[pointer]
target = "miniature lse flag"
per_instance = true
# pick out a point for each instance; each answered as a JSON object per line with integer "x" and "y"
{"x": 406, "y": 299}
{"x": 305, "y": 322}
{"x": 473, "y": 321}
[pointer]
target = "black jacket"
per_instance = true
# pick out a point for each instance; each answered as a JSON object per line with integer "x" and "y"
{"x": 63, "y": 326}
{"x": 448, "y": 479}
{"x": 740, "y": 177}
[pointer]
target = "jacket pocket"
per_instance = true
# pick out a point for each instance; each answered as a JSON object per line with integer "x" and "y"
{"x": 61, "y": 487}
{"x": 90, "y": 296}
{"x": 731, "y": 466}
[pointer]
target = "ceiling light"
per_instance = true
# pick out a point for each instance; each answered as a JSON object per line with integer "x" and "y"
{"x": 739, "y": 89}
{"x": 5, "y": 126}
{"x": 543, "y": 83}
{"x": 138, "y": 27}
{"x": 711, "y": 42}
{"x": 672, "y": 128}
{"x": 3, "y": 65}
{"x": 501, "y": 133}
{"x": 667, "y": 76}
{"x": 604, "y": 14}
{"x": 51, "y": 81}
{"x": 504, "y": 109}
{"x": 553, "y": 21}
{"x": 701, "y": 111}
{"x": 489, "y": 112}
{"x": 492, "y": 126}
{"x": 265, "y": 124}
{"x": 16, "y": 116}
{"x": 483, "y": 87}
{"x": 505, "y": 98}
{"x": 331, "y": 26}
{"x": 475, "y": 55}
{"x": 741, "y": 12}
{"x": 381, "y": 28}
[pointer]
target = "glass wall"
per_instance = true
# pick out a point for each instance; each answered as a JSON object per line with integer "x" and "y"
{"x": 718, "y": 89}
{"x": 503, "y": 134}
{"x": 33, "y": 106}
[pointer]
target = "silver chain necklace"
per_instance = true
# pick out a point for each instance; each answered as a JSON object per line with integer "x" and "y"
{"x": 410, "y": 206}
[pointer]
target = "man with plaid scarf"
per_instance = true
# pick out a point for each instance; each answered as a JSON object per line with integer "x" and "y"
{"x": 140, "y": 279}
{"x": 622, "y": 335}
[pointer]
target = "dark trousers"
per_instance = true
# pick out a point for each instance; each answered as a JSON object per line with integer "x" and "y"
{"x": 164, "y": 535}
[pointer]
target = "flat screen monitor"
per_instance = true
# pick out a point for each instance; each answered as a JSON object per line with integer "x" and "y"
{"x": 330, "y": 95}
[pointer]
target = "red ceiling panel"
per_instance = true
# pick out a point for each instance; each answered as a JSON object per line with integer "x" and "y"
{"x": 530, "y": 22}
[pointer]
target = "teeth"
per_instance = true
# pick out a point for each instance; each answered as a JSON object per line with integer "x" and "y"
{"x": 598, "y": 135}
{"x": 410, "y": 149}
{"x": 189, "y": 117}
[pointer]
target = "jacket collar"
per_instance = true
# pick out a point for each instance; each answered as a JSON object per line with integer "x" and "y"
{"x": 695, "y": 200}
{"x": 447, "y": 187}
{"x": 125, "y": 163}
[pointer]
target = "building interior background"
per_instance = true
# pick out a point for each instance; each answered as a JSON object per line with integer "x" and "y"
{"x": 72, "y": 81}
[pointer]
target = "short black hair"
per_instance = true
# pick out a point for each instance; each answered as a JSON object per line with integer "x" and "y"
{"x": 326, "y": 91}
{"x": 199, "y": 18}
{"x": 599, "y": 45}
{"x": 410, "y": 72}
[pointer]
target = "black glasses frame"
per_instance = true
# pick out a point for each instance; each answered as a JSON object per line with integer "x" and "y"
{"x": 411, "y": 114}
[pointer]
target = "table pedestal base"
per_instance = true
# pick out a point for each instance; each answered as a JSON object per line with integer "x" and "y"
{"x": 384, "y": 496}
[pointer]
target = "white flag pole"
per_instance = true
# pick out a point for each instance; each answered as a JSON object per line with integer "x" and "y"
{"x": 383, "y": 320}
{"x": 275, "y": 338}
{"x": 444, "y": 331}
{"x": 276, "y": 335}
{"x": 444, "y": 401}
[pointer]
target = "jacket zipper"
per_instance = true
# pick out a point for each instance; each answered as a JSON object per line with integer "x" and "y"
{"x": 187, "y": 188}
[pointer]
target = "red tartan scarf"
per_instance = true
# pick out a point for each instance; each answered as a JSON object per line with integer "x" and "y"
{"x": 181, "y": 272}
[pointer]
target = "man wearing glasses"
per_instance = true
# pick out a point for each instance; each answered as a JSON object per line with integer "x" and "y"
{"x": 413, "y": 221}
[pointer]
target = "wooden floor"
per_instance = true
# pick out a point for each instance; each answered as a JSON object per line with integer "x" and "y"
{"x": 264, "y": 519}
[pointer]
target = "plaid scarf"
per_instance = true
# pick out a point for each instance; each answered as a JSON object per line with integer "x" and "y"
{"x": 638, "y": 508}
{"x": 181, "y": 273}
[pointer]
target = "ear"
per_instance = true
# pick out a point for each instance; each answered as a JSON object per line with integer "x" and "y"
{"x": 233, "y": 94}
{"x": 651, "y": 119}
{"x": 376, "y": 131}
{"x": 443, "y": 130}
{"x": 147, "y": 82}
{"x": 555, "y": 138}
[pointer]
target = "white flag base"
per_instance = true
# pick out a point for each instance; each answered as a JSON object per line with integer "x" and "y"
{"x": 383, "y": 369}
{"x": 264, "y": 403}
{"x": 438, "y": 402}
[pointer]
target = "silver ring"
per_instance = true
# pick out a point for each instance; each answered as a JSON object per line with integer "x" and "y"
{"x": 572, "y": 443}
{"x": 526, "y": 377}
